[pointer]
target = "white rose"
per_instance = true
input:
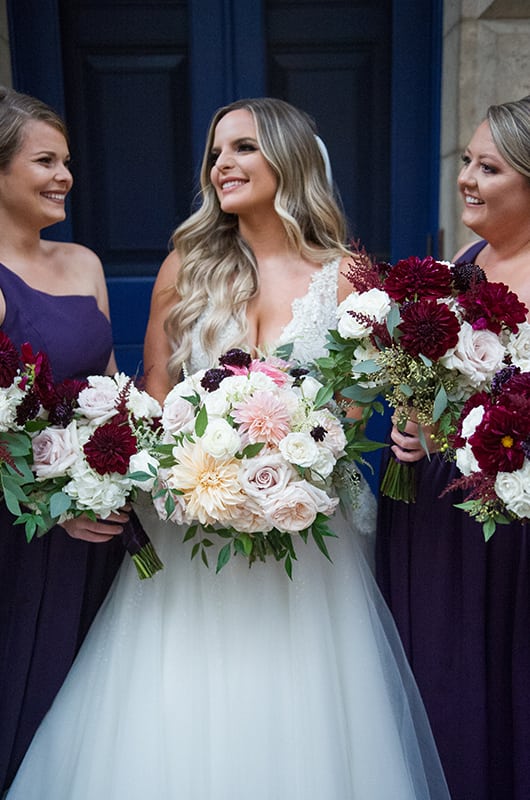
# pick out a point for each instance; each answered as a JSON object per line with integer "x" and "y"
{"x": 9, "y": 399}
{"x": 296, "y": 507}
{"x": 220, "y": 439}
{"x": 472, "y": 421}
{"x": 142, "y": 405}
{"x": 98, "y": 401}
{"x": 310, "y": 388}
{"x": 323, "y": 466}
{"x": 374, "y": 304}
{"x": 466, "y": 461}
{"x": 141, "y": 462}
{"x": 512, "y": 488}
{"x": 101, "y": 493}
{"x": 518, "y": 347}
{"x": 178, "y": 414}
{"x": 189, "y": 386}
{"x": 249, "y": 518}
{"x": 55, "y": 450}
{"x": 265, "y": 474}
{"x": 217, "y": 404}
{"x": 299, "y": 448}
{"x": 478, "y": 354}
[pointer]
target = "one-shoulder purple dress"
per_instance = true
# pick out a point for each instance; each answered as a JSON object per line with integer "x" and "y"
{"x": 462, "y": 607}
{"x": 51, "y": 588}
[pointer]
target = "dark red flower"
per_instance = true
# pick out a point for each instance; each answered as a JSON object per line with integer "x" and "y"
{"x": 515, "y": 393}
{"x": 429, "y": 328}
{"x": 28, "y": 408}
{"x": 39, "y": 363}
{"x": 9, "y": 361}
{"x": 235, "y": 358}
{"x": 211, "y": 380}
{"x": 466, "y": 274}
{"x": 110, "y": 447}
{"x": 492, "y": 305}
{"x": 497, "y": 441}
{"x": 413, "y": 278}
{"x": 61, "y": 404}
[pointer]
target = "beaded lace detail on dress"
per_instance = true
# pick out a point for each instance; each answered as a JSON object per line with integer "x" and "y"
{"x": 313, "y": 315}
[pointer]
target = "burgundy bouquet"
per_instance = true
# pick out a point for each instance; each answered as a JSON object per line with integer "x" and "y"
{"x": 423, "y": 334}
{"x": 492, "y": 450}
{"x": 75, "y": 447}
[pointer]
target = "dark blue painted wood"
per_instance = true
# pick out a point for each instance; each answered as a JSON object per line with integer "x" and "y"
{"x": 34, "y": 39}
{"x": 416, "y": 89}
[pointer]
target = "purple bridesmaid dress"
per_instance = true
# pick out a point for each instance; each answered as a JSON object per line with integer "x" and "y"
{"x": 50, "y": 589}
{"x": 462, "y": 607}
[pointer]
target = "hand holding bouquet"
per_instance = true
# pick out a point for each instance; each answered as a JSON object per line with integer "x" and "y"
{"x": 252, "y": 457}
{"x": 425, "y": 335}
{"x": 81, "y": 446}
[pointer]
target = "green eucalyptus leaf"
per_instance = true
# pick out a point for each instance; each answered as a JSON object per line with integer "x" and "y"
{"x": 440, "y": 404}
{"x": 224, "y": 556}
{"x": 201, "y": 421}
{"x": 59, "y": 503}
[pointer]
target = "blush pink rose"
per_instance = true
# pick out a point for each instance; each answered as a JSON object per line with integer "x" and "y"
{"x": 55, "y": 450}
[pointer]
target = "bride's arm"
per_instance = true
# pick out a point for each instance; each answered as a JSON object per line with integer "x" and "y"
{"x": 157, "y": 349}
{"x": 344, "y": 288}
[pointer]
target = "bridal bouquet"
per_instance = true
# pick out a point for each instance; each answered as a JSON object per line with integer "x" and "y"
{"x": 425, "y": 335}
{"x": 77, "y": 447}
{"x": 492, "y": 448}
{"x": 252, "y": 457}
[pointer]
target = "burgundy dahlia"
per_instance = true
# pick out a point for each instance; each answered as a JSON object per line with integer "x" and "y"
{"x": 9, "y": 361}
{"x": 110, "y": 447}
{"x": 492, "y": 305}
{"x": 516, "y": 394}
{"x": 428, "y": 328}
{"x": 413, "y": 278}
{"x": 497, "y": 441}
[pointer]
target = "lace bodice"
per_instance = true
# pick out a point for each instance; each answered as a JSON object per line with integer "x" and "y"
{"x": 312, "y": 316}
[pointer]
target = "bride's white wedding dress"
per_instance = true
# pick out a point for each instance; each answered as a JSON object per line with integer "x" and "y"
{"x": 242, "y": 685}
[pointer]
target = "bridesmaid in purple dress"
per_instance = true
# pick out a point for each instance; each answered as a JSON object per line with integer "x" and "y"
{"x": 463, "y": 606}
{"x": 52, "y": 295}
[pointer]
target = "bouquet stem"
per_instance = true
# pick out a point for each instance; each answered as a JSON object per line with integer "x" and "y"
{"x": 140, "y": 548}
{"x": 399, "y": 481}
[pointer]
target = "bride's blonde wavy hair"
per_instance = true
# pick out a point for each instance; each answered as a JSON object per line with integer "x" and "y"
{"x": 218, "y": 268}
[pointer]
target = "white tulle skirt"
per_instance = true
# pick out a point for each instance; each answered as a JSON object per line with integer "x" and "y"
{"x": 238, "y": 686}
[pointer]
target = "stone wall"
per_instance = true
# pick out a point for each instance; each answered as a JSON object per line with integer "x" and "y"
{"x": 5, "y": 61}
{"x": 486, "y": 60}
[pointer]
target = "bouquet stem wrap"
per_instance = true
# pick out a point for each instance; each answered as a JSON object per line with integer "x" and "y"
{"x": 399, "y": 481}
{"x": 140, "y": 548}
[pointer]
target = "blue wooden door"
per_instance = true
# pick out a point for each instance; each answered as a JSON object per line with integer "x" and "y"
{"x": 139, "y": 80}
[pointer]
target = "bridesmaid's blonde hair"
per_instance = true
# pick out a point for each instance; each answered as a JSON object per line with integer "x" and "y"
{"x": 218, "y": 269}
{"x": 510, "y": 130}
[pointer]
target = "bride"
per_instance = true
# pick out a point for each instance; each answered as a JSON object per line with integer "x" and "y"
{"x": 244, "y": 684}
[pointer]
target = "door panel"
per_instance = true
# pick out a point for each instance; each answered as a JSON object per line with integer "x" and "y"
{"x": 333, "y": 60}
{"x": 139, "y": 80}
{"x": 127, "y": 104}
